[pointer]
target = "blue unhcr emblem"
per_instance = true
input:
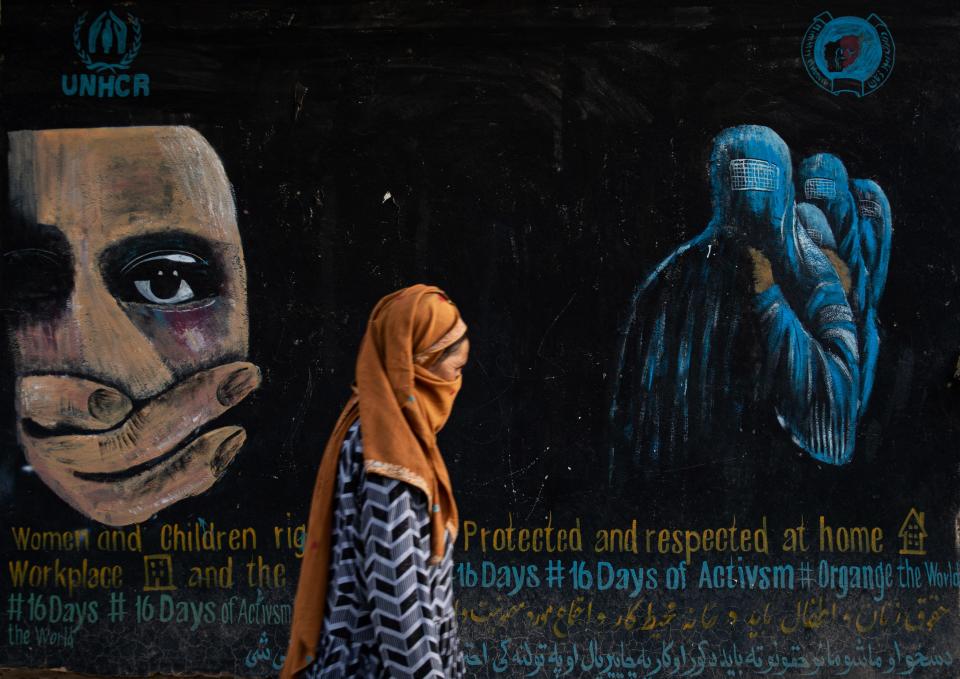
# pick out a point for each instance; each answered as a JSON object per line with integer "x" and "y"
{"x": 108, "y": 36}
{"x": 107, "y": 49}
{"x": 848, "y": 54}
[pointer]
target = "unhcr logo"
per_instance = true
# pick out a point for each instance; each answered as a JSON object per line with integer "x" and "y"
{"x": 107, "y": 47}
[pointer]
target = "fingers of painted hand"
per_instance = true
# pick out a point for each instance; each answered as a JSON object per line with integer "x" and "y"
{"x": 162, "y": 424}
{"x": 61, "y": 401}
{"x": 191, "y": 471}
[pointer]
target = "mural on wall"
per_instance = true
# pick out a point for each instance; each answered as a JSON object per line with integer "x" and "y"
{"x": 771, "y": 310}
{"x": 707, "y": 254}
{"x": 130, "y": 329}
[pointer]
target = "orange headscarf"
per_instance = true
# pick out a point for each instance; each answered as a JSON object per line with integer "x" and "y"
{"x": 402, "y": 406}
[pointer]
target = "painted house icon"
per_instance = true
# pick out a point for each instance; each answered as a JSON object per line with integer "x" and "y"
{"x": 912, "y": 534}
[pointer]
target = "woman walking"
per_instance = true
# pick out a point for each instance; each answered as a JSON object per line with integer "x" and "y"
{"x": 375, "y": 596}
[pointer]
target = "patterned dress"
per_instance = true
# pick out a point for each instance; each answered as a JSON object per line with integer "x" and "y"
{"x": 389, "y": 613}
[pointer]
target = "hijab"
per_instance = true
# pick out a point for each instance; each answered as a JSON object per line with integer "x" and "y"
{"x": 402, "y": 405}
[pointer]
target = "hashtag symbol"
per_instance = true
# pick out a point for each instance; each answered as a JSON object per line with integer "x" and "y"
{"x": 15, "y": 607}
{"x": 806, "y": 575}
{"x": 555, "y": 573}
{"x": 116, "y": 606}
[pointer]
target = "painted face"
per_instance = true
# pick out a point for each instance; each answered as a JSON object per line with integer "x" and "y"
{"x": 850, "y": 50}
{"x": 842, "y": 53}
{"x": 124, "y": 268}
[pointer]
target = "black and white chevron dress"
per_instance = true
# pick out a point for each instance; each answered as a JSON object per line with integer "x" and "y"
{"x": 388, "y": 612}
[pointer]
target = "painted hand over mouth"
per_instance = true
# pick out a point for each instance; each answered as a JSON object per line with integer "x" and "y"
{"x": 118, "y": 465}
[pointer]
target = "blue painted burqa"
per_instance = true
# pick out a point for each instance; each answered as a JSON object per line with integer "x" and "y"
{"x": 706, "y": 352}
{"x": 859, "y": 214}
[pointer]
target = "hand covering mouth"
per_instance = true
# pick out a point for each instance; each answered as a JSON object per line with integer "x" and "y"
{"x": 170, "y": 447}
{"x": 36, "y": 431}
{"x": 151, "y": 433}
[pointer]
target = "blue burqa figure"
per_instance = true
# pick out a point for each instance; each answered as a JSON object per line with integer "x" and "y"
{"x": 859, "y": 214}
{"x": 745, "y": 326}
{"x": 876, "y": 235}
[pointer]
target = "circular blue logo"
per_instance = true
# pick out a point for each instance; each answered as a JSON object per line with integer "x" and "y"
{"x": 848, "y": 54}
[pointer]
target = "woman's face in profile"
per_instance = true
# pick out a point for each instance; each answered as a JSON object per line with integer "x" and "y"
{"x": 450, "y": 366}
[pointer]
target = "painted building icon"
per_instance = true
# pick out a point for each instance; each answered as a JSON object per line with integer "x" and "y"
{"x": 912, "y": 534}
{"x": 158, "y": 573}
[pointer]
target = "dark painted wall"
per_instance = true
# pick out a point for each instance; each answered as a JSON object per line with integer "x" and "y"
{"x": 540, "y": 161}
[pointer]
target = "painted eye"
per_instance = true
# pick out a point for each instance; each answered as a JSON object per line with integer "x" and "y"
{"x": 166, "y": 278}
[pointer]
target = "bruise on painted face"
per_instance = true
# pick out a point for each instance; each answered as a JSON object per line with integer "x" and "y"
{"x": 124, "y": 262}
